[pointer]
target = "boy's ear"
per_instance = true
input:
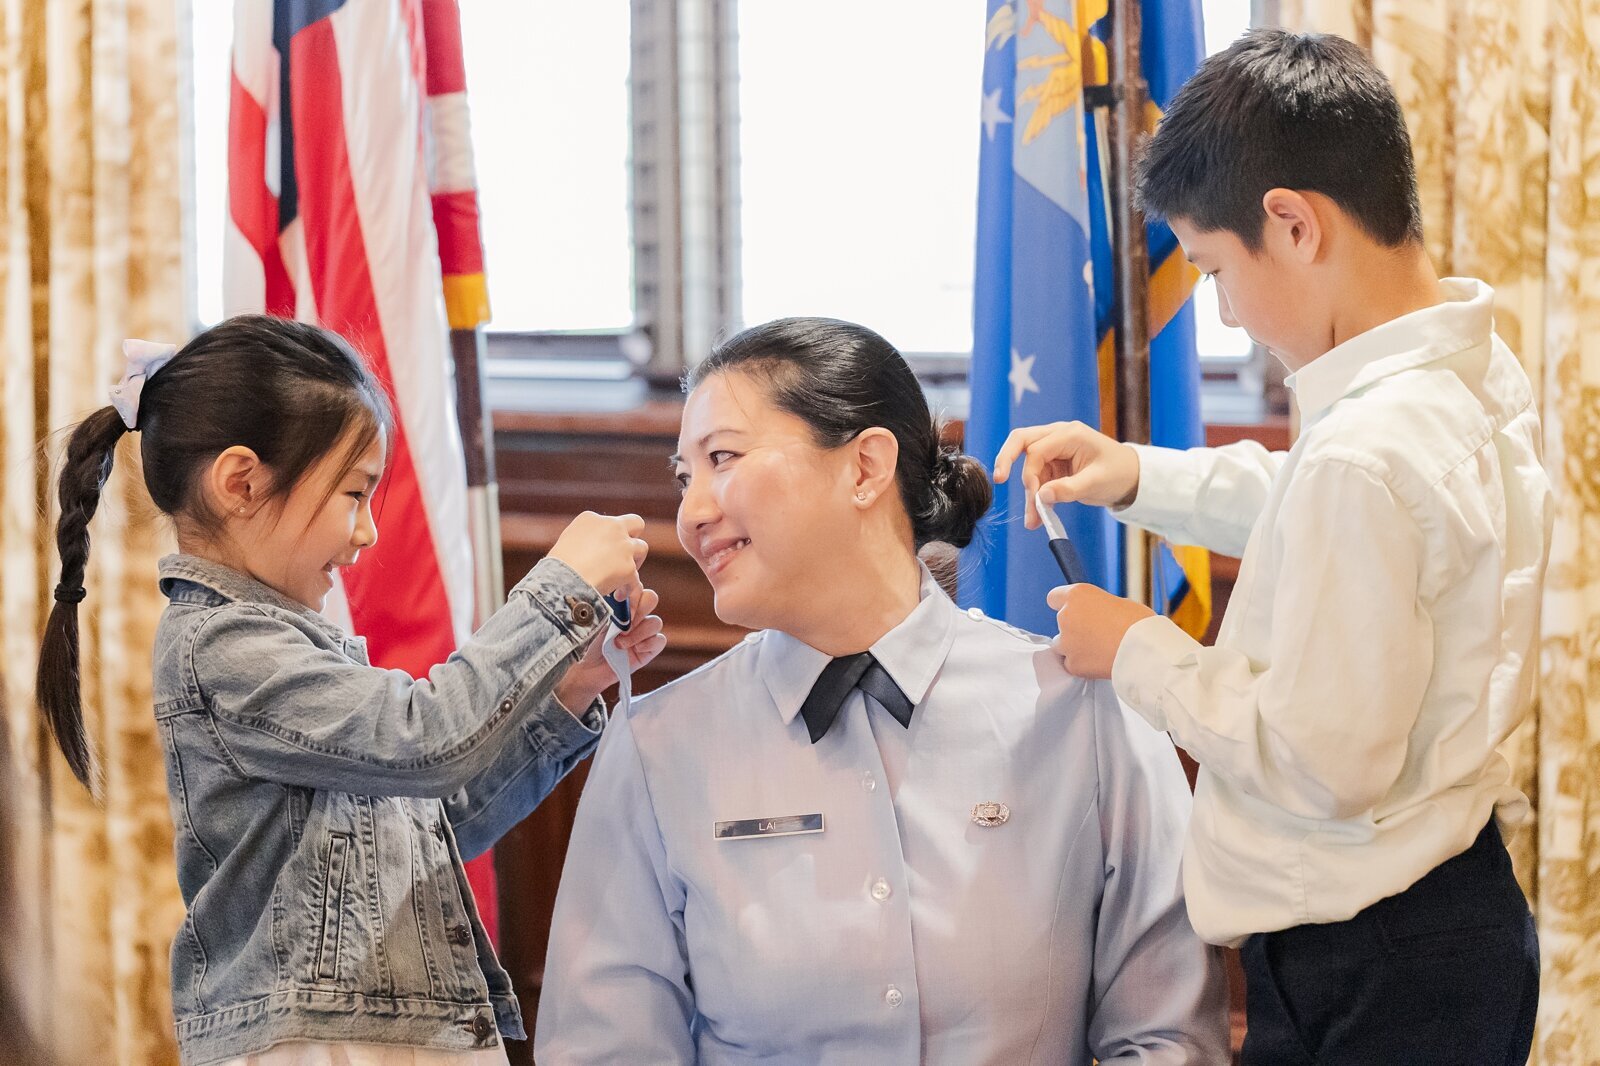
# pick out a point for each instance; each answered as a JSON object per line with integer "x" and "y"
{"x": 877, "y": 453}
{"x": 1294, "y": 224}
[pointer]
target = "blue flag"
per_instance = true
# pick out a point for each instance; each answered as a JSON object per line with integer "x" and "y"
{"x": 1171, "y": 47}
{"x": 1043, "y": 301}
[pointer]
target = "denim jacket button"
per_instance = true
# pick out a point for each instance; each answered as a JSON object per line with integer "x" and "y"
{"x": 482, "y": 1028}
{"x": 438, "y": 829}
{"x": 582, "y": 611}
{"x": 507, "y": 705}
{"x": 460, "y": 934}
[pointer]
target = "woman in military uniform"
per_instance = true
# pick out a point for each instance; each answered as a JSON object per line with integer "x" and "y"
{"x": 881, "y": 829}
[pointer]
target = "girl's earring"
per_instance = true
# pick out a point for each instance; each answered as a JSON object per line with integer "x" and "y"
{"x": 861, "y": 496}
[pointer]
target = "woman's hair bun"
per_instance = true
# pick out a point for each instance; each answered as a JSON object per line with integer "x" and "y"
{"x": 960, "y": 494}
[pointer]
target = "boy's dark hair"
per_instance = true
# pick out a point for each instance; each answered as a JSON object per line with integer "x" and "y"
{"x": 1308, "y": 112}
{"x": 290, "y": 392}
{"x": 840, "y": 379}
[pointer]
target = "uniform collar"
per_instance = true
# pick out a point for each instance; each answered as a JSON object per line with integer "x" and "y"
{"x": 912, "y": 652}
{"x": 227, "y": 584}
{"x": 1463, "y": 320}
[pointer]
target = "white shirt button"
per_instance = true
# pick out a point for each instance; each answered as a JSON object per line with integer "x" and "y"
{"x": 974, "y": 612}
{"x": 751, "y": 638}
{"x": 881, "y": 890}
{"x": 894, "y": 997}
{"x": 868, "y": 782}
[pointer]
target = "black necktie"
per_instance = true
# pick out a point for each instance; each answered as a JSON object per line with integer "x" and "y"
{"x": 835, "y": 684}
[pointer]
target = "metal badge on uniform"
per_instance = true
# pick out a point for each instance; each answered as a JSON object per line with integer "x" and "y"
{"x": 749, "y": 828}
{"x": 990, "y": 814}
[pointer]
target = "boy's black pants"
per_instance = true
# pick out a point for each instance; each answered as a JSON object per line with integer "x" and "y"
{"x": 1446, "y": 972}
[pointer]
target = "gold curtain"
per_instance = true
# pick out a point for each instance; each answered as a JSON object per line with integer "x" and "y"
{"x": 91, "y": 252}
{"x": 1500, "y": 96}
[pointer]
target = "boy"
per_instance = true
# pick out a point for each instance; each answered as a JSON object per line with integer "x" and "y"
{"x": 1380, "y": 641}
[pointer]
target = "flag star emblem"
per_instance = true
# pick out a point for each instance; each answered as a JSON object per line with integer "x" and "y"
{"x": 1021, "y": 376}
{"x": 992, "y": 115}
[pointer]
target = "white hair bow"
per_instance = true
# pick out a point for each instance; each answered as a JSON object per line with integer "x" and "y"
{"x": 144, "y": 359}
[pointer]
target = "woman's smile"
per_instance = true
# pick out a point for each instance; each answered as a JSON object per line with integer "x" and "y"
{"x": 719, "y": 553}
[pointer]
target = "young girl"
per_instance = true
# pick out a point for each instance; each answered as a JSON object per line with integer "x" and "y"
{"x": 323, "y": 806}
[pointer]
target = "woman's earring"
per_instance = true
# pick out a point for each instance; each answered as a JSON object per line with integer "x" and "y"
{"x": 861, "y": 496}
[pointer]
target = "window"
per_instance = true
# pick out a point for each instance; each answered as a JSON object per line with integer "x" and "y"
{"x": 859, "y": 190}
{"x": 859, "y": 166}
{"x": 548, "y": 87}
{"x": 1225, "y": 20}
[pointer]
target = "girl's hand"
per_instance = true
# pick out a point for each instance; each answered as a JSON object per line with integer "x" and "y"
{"x": 604, "y": 551}
{"x": 592, "y": 675}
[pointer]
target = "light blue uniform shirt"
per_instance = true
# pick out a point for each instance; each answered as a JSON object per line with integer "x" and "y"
{"x": 903, "y": 932}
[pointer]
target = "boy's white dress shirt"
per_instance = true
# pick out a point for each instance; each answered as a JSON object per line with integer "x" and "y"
{"x": 903, "y": 931}
{"x": 1380, "y": 642}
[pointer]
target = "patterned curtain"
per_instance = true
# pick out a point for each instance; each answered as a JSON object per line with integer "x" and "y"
{"x": 91, "y": 251}
{"x": 1501, "y": 97}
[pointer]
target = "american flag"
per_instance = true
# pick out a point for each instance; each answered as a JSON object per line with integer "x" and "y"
{"x": 352, "y": 204}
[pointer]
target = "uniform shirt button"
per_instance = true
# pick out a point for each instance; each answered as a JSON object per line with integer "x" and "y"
{"x": 881, "y": 890}
{"x": 868, "y": 782}
{"x": 894, "y": 997}
{"x": 751, "y": 638}
{"x": 974, "y": 612}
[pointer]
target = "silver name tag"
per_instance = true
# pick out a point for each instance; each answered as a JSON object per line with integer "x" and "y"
{"x": 787, "y": 826}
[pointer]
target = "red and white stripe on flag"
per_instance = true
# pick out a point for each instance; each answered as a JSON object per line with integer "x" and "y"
{"x": 331, "y": 220}
{"x": 452, "y": 177}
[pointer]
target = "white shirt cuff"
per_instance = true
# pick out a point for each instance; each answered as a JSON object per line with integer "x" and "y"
{"x": 1168, "y": 487}
{"x": 1151, "y": 649}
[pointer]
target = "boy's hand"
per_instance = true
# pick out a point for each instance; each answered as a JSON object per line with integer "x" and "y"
{"x": 592, "y": 675}
{"x": 604, "y": 551}
{"x": 1092, "y": 624}
{"x": 1067, "y": 462}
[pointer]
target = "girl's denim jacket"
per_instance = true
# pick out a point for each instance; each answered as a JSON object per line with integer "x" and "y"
{"x": 323, "y": 806}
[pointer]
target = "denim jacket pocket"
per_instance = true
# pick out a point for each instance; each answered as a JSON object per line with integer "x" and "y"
{"x": 335, "y": 870}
